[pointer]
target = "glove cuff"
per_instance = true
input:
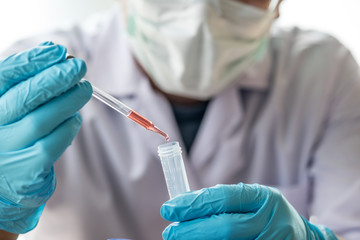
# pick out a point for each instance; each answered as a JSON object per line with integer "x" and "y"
{"x": 327, "y": 234}
{"x": 19, "y": 220}
{"x": 319, "y": 232}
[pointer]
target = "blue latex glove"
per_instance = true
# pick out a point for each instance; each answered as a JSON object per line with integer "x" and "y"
{"x": 237, "y": 212}
{"x": 39, "y": 98}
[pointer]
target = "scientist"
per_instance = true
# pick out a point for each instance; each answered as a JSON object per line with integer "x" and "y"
{"x": 269, "y": 119}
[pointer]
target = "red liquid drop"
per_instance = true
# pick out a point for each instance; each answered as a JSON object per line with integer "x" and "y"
{"x": 146, "y": 124}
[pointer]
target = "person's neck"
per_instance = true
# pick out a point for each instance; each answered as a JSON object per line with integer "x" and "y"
{"x": 173, "y": 99}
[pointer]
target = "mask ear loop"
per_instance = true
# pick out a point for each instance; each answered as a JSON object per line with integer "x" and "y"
{"x": 273, "y": 5}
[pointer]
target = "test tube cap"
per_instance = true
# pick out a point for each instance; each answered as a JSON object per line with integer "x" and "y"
{"x": 169, "y": 149}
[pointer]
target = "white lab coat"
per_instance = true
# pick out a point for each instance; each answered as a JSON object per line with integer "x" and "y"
{"x": 292, "y": 121}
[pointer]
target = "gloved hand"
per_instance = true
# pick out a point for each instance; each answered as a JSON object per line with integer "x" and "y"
{"x": 39, "y": 98}
{"x": 237, "y": 212}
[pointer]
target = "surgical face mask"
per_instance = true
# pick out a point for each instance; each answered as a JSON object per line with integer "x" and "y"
{"x": 197, "y": 48}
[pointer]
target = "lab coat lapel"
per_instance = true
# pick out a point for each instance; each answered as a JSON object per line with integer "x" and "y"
{"x": 156, "y": 108}
{"x": 216, "y": 152}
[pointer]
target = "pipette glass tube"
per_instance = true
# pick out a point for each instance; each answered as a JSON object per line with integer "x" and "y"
{"x": 126, "y": 111}
{"x": 174, "y": 169}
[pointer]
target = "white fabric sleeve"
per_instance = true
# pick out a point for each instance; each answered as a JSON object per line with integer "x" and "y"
{"x": 336, "y": 169}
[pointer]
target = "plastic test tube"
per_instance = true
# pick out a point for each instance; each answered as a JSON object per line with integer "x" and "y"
{"x": 174, "y": 169}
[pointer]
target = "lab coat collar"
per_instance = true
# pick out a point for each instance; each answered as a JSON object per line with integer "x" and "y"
{"x": 257, "y": 76}
{"x": 122, "y": 73}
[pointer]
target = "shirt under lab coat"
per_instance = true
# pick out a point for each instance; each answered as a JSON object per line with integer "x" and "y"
{"x": 292, "y": 121}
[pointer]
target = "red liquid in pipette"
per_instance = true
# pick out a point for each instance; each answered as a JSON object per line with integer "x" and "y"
{"x": 146, "y": 124}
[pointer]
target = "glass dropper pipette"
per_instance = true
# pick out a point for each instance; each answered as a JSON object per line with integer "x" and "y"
{"x": 126, "y": 111}
{"x": 120, "y": 107}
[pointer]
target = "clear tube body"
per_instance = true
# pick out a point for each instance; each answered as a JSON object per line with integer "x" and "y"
{"x": 173, "y": 168}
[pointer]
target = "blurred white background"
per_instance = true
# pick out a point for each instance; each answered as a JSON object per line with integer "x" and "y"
{"x": 21, "y": 18}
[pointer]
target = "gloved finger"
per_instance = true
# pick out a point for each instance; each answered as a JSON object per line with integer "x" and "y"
{"x": 29, "y": 94}
{"x": 44, "y": 119}
{"x": 241, "y": 198}
{"x": 21, "y": 66}
{"x": 223, "y": 226}
{"x": 53, "y": 145}
{"x": 32, "y": 178}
